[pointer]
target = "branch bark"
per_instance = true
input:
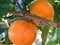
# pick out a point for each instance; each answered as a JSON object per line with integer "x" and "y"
{"x": 38, "y": 19}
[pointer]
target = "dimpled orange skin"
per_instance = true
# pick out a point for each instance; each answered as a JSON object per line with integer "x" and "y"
{"x": 42, "y": 9}
{"x": 22, "y": 32}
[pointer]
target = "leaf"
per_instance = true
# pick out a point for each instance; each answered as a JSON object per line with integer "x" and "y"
{"x": 57, "y": 13}
{"x": 27, "y": 3}
{"x": 2, "y": 12}
{"x": 7, "y": 41}
{"x": 4, "y": 7}
{"x": 39, "y": 28}
{"x": 11, "y": 7}
{"x": 3, "y": 34}
{"x": 3, "y": 1}
{"x": 53, "y": 29}
{"x": 57, "y": 19}
{"x": 58, "y": 40}
{"x": 51, "y": 43}
{"x": 53, "y": 34}
{"x": 2, "y": 30}
{"x": 44, "y": 34}
{"x": 51, "y": 1}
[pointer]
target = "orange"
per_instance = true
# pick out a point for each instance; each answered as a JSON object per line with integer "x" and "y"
{"x": 42, "y": 9}
{"x": 22, "y": 32}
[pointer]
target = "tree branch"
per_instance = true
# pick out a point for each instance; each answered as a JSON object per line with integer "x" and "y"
{"x": 38, "y": 19}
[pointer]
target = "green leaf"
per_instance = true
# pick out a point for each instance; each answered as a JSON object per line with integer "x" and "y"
{"x": 3, "y": 30}
{"x": 44, "y": 34}
{"x": 11, "y": 7}
{"x": 51, "y": 1}
{"x": 58, "y": 40}
{"x": 39, "y": 28}
{"x": 51, "y": 43}
{"x": 57, "y": 13}
{"x": 3, "y": 1}
{"x": 2, "y": 12}
{"x": 53, "y": 34}
{"x": 7, "y": 41}
{"x": 4, "y": 7}
{"x": 27, "y": 3}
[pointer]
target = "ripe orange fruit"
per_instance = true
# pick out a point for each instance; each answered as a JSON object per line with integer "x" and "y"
{"x": 42, "y": 9}
{"x": 22, "y": 32}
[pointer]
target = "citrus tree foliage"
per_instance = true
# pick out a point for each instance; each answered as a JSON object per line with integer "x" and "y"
{"x": 7, "y": 6}
{"x": 4, "y": 7}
